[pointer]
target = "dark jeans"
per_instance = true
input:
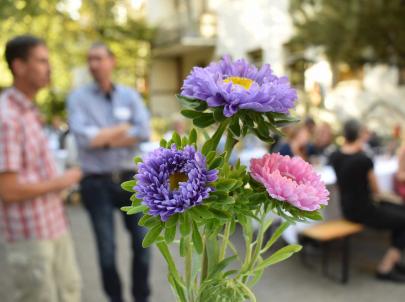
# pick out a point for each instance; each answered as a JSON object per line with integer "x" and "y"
{"x": 383, "y": 216}
{"x": 101, "y": 196}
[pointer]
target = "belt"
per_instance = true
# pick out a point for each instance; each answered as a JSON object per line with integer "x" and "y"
{"x": 115, "y": 177}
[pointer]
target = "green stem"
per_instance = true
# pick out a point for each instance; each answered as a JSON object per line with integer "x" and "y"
{"x": 248, "y": 247}
{"x": 188, "y": 269}
{"x": 230, "y": 143}
{"x": 258, "y": 247}
{"x": 225, "y": 240}
{"x": 204, "y": 262}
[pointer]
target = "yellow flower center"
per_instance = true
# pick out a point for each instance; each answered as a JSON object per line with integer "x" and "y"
{"x": 243, "y": 82}
{"x": 175, "y": 178}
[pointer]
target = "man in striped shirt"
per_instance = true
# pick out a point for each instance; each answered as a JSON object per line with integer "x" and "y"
{"x": 39, "y": 251}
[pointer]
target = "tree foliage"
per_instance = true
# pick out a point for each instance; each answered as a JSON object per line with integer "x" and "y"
{"x": 68, "y": 36}
{"x": 352, "y": 32}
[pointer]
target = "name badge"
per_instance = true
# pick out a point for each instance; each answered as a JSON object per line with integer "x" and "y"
{"x": 122, "y": 113}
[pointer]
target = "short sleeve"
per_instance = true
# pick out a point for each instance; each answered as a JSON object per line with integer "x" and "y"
{"x": 10, "y": 146}
{"x": 368, "y": 164}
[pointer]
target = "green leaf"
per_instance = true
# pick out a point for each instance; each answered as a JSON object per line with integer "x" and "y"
{"x": 220, "y": 266}
{"x": 212, "y": 253}
{"x": 220, "y": 214}
{"x": 150, "y": 223}
{"x": 202, "y": 211}
{"x": 144, "y": 219}
{"x": 204, "y": 120}
{"x": 218, "y": 114}
{"x": 190, "y": 113}
{"x": 163, "y": 143}
{"x": 282, "y": 254}
{"x": 194, "y": 215}
{"x": 212, "y": 143}
{"x": 176, "y": 139}
{"x": 185, "y": 227}
{"x": 192, "y": 138}
{"x": 126, "y": 209}
{"x": 210, "y": 156}
{"x": 182, "y": 247}
{"x": 219, "y": 194}
{"x": 226, "y": 184}
{"x": 174, "y": 277}
{"x": 179, "y": 290}
{"x": 135, "y": 201}
{"x": 184, "y": 141}
{"x": 262, "y": 127}
{"x": 128, "y": 185}
{"x": 274, "y": 129}
{"x": 137, "y": 160}
{"x": 313, "y": 215}
{"x": 234, "y": 127}
{"x": 216, "y": 163}
{"x": 137, "y": 209}
{"x": 227, "y": 200}
{"x": 281, "y": 119}
{"x": 197, "y": 240}
{"x": 195, "y": 104}
{"x": 170, "y": 233}
{"x": 152, "y": 235}
{"x": 277, "y": 233}
{"x": 258, "y": 197}
{"x": 172, "y": 221}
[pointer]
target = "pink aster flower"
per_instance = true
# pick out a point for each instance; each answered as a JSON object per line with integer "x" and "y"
{"x": 291, "y": 180}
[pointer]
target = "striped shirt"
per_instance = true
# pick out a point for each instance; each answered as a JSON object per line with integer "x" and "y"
{"x": 24, "y": 150}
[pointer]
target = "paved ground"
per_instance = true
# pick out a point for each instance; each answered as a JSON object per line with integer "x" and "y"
{"x": 289, "y": 281}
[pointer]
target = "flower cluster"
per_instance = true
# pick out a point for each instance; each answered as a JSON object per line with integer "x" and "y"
{"x": 238, "y": 85}
{"x": 170, "y": 181}
{"x": 204, "y": 196}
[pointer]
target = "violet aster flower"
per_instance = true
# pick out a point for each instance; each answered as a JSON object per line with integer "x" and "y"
{"x": 292, "y": 180}
{"x": 170, "y": 180}
{"x": 238, "y": 85}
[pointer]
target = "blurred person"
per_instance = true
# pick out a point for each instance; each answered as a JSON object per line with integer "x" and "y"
{"x": 323, "y": 138}
{"x": 109, "y": 121}
{"x": 399, "y": 178}
{"x": 321, "y": 146}
{"x": 297, "y": 142}
{"x": 310, "y": 124}
{"x": 361, "y": 200}
{"x": 39, "y": 250}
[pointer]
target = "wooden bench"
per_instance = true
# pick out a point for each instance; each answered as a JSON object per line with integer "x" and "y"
{"x": 323, "y": 234}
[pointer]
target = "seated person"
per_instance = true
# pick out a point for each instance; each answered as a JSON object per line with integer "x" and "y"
{"x": 358, "y": 187}
{"x": 400, "y": 175}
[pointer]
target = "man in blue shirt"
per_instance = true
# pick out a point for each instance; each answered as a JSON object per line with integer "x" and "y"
{"x": 109, "y": 121}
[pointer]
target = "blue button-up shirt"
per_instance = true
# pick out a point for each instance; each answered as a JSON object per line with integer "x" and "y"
{"x": 90, "y": 110}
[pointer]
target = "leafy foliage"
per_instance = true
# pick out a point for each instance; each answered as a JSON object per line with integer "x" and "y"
{"x": 352, "y": 32}
{"x": 69, "y": 35}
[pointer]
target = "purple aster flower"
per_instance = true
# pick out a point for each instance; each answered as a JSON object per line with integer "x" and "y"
{"x": 238, "y": 85}
{"x": 170, "y": 181}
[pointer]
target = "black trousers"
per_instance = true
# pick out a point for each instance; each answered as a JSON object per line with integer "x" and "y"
{"x": 383, "y": 216}
{"x": 102, "y": 197}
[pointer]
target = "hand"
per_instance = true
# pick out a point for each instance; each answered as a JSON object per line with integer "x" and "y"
{"x": 71, "y": 177}
{"x": 123, "y": 128}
